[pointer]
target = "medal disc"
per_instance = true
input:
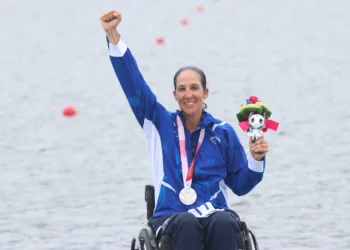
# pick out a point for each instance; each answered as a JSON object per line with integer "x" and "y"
{"x": 188, "y": 196}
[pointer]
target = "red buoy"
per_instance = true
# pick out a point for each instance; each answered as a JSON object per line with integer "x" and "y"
{"x": 69, "y": 111}
{"x": 160, "y": 40}
{"x": 184, "y": 21}
{"x": 200, "y": 8}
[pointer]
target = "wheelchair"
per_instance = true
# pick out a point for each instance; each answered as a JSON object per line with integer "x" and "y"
{"x": 146, "y": 239}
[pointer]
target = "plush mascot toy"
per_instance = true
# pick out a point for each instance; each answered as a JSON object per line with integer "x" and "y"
{"x": 254, "y": 117}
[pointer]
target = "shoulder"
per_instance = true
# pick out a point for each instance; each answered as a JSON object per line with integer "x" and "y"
{"x": 224, "y": 130}
{"x": 223, "y": 126}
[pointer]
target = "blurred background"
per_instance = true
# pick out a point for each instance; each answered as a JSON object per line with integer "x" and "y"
{"x": 78, "y": 182}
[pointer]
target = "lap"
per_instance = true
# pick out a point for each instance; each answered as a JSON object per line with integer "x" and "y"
{"x": 221, "y": 219}
{"x": 165, "y": 224}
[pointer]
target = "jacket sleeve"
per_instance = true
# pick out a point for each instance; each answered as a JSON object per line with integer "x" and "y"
{"x": 243, "y": 173}
{"x": 139, "y": 95}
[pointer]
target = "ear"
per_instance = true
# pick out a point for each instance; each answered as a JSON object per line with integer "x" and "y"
{"x": 174, "y": 93}
{"x": 206, "y": 93}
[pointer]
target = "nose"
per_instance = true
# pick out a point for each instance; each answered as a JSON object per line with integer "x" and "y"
{"x": 188, "y": 93}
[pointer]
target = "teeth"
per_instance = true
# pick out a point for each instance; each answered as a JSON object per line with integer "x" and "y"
{"x": 188, "y": 103}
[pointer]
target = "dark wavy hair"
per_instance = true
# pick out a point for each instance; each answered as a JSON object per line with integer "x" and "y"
{"x": 200, "y": 73}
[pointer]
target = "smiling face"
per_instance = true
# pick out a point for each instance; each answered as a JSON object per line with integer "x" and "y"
{"x": 189, "y": 92}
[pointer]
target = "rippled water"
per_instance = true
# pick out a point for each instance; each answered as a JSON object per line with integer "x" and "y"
{"x": 78, "y": 183}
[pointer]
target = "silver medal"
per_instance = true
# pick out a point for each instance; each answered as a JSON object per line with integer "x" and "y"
{"x": 188, "y": 196}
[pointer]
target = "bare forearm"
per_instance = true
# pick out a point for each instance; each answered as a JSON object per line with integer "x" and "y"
{"x": 113, "y": 36}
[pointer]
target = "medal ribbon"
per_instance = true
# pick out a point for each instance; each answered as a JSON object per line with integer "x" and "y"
{"x": 187, "y": 172}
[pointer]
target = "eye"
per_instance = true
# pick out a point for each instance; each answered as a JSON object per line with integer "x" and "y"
{"x": 194, "y": 87}
{"x": 261, "y": 120}
{"x": 181, "y": 89}
{"x": 252, "y": 120}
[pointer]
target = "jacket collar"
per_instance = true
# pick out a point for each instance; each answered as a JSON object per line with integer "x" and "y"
{"x": 207, "y": 119}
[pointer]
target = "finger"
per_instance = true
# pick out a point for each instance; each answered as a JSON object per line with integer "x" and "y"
{"x": 114, "y": 15}
{"x": 111, "y": 12}
{"x": 104, "y": 15}
{"x": 259, "y": 152}
{"x": 110, "y": 15}
{"x": 264, "y": 144}
{"x": 260, "y": 142}
{"x": 117, "y": 15}
{"x": 259, "y": 148}
{"x": 257, "y": 142}
{"x": 105, "y": 18}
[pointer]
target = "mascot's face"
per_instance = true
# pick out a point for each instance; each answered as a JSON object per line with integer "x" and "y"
{"x": 256, "y": 121}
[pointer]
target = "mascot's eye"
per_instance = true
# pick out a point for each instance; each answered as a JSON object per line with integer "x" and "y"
{"x": 252, "y": 120}
{"x": 260, "y": 120}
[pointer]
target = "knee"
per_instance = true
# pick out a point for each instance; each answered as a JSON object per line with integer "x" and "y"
{"x": 226, "y": 220}
{"x": 188, "y": 232}
{"x": 187, "y": 220}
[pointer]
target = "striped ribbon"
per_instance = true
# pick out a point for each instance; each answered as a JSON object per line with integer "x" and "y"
{"x": 187, "y": 172}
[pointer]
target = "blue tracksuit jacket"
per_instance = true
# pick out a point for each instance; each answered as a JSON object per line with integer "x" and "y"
{"x": 221, "y": 162}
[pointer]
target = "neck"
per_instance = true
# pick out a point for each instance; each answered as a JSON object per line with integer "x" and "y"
{"x": 192, "y": 121}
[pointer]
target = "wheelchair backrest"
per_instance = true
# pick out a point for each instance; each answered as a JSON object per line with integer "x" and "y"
{"x": 150, "y": 200}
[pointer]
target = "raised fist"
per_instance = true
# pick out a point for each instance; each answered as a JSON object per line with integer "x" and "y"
{"x": 110, "y": 20}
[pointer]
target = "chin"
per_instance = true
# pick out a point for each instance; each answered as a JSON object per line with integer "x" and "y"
{"x": 187, "y": 113}
{"x": 190, "y": 111}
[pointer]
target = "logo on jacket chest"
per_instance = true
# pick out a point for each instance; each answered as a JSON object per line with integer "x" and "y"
{"x": 215, "y": 139}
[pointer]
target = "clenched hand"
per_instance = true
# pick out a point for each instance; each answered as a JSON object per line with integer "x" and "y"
{"x": 259, "y": 148}
{"x": 109, "y": 21}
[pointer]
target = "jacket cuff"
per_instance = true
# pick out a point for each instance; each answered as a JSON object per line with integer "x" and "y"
{"x": 117, "y": 50}
{"x": 254, "y": 165}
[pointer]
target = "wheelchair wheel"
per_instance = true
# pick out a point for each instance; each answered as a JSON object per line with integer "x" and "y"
{"x": 251, "y": 243}
{"x": 133, "y": 244}
{"x": 165, "y": 243}
{"x": 145, "y": 242}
